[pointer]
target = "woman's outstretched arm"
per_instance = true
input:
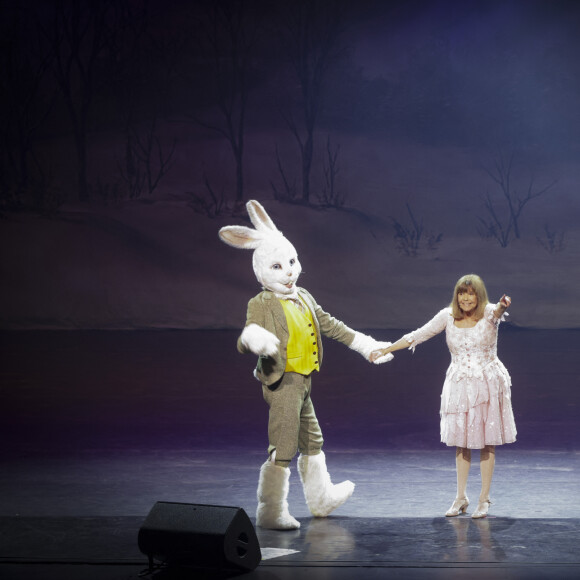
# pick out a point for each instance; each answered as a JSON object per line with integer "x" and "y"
{"x": 399, "y": 345}
{"x": 502, "y": 306}
{"x": 412, "y": 339}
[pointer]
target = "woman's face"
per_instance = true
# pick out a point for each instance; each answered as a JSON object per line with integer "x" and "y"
{"x": 467, "y": 300}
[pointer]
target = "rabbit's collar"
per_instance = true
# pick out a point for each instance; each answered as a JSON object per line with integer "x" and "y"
{"x": 280, "y": 296}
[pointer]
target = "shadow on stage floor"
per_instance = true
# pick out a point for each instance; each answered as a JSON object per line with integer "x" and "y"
{"x": 343, "y": 544}
{"x": 98, "y": 426}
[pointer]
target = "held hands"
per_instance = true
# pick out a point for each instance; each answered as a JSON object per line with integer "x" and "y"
{"x": 380, "y": 353}
{"x": 383, "y": 356}
{"x": 365, "y": 345}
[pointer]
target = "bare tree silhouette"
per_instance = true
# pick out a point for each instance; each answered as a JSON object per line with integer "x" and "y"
{"x": 330, "y": 195}
{"x": 495, "y": 225}
{"x": 311, "y": 32}
{"x": 147, "y": 65}
{"x": 288, "y": 193}
{"x": 410, "y": 238}
{"x": 230, "y": 30}
{"x": 81, "y": 37}
{"x": 27, "y": 102}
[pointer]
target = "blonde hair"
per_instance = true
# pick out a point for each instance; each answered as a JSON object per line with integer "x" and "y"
{"x": 464, "y": 284}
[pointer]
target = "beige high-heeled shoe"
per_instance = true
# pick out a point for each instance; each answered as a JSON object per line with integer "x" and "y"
{"x": 457, "y": 507}
{"x": 482, "y": 509}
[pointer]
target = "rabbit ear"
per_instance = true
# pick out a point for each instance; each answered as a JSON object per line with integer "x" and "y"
{"x": 259, "y": 217}
{"x": 241, "y": 237}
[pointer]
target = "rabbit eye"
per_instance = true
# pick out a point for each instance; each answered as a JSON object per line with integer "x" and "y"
{"x": 276, "y": 267}
{"x": 292, "y": 262}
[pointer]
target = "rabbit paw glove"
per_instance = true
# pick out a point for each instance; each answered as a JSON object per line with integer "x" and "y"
{"x": 386, "y": 357}
{"x": 364, "y": 345}
{"x": 259, "y": 340}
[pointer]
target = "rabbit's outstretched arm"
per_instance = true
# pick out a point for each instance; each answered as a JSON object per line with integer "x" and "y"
{"x": 365, "y": 345}
{"x": 260, "y": 341}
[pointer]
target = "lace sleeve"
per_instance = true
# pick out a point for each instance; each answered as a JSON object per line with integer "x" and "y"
{"x": 489, "y": 315}
{"x": 436, "y": 325}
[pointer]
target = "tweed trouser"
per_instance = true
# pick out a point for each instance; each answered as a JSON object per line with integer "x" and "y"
{"x": 292, "y": 424}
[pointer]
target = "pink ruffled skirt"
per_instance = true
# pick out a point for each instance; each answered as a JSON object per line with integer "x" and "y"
{"x": 484, "y": 419}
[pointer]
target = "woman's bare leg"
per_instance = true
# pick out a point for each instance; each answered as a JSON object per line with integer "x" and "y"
{"x": 462, "y": 465}
{"x": 486, "y": 465}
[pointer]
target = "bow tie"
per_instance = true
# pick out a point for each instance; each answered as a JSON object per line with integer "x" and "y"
{"x": 298, "y": 303}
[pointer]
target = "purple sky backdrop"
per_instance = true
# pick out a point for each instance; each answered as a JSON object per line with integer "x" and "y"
{"x": 424, "y": 96}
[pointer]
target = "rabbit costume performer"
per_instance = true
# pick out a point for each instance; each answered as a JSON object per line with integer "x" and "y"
{"x": 284, "y": 327}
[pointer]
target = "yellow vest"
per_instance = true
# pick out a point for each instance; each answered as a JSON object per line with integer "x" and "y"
{"x": 302, "y": 349}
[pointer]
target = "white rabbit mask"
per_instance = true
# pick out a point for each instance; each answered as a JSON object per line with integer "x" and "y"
{"x": 275, "y": 259}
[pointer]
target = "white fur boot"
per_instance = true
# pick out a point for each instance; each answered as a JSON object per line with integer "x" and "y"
{"x": 272, "y": 512}
{"x": 321, "y": 495}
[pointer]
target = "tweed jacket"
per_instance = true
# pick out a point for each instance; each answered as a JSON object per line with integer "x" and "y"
{"x": 266, "y": 311}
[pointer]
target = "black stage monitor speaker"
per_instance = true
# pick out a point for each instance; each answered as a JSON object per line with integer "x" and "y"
{"x": 205, "y": 536}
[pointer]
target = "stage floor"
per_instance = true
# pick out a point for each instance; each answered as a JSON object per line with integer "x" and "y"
{"x": 99, "y": 426}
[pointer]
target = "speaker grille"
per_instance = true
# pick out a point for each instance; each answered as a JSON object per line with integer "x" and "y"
{"x": 200, "y": 535}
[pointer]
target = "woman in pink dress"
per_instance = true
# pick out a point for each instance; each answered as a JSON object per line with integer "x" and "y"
{"x": 476, "y": 410}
